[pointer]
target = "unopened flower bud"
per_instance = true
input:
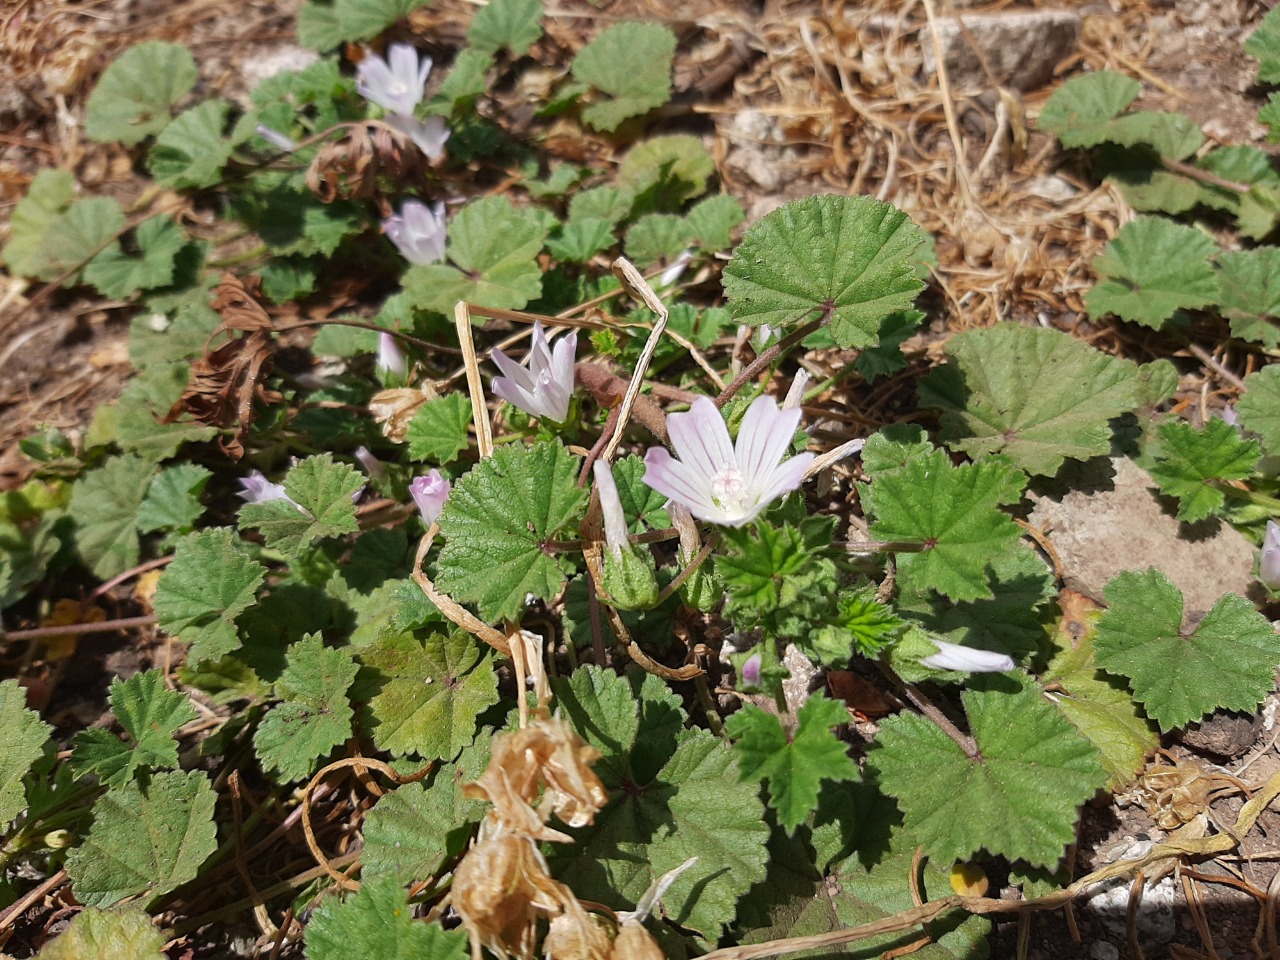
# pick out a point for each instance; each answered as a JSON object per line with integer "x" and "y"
{"x": 276, "y": 138}
{"x": 390, "y": 359}
{"x": 953, "y": 656}
{"x": 751, "y": 671}
{"x": 372, "y": 465}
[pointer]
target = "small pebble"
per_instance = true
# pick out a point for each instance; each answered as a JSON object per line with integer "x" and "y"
{"x": 1102, "y": 950}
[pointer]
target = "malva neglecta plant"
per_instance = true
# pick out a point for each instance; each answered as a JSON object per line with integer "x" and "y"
{"x": 500, "y": 593}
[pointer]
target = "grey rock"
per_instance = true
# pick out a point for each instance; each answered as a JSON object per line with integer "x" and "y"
{"x": 1022, "y": 48}
{"x": 1108, "y": 524}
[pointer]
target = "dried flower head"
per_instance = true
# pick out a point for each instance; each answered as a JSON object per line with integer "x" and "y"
{"x": 545, "y": 387}
{"x": 546, "y": 758}
{"x": 501, "y": 887}
{"x": 717, "y": 480}
{"x": 418, "y": 231}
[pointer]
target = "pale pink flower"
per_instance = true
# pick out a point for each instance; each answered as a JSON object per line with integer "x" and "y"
{"x": 256, "y": 488}
{"x": 545, "y": 387}
{"x": 718, "y": 481}
{"x": 1269, "y": 565}
{"x": 390, "y": 358}
{"x": 952, "y": 656}
{"x": 418, "y": 231}
{"x": 395, "y": 84}
{"x": 430, "y": 134}
{"x": 429, "y": 493}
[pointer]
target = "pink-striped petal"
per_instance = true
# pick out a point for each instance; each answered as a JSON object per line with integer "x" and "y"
{"x": 763, "y": 437}
{"x": 681, "y": 483}
{"x": 701, "y": 439}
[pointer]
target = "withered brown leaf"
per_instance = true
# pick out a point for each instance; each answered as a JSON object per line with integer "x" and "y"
{"x": 225, "y": 381}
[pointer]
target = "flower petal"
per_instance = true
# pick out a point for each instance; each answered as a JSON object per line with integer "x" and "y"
{"x": 513, "y": 371}
{"x": 515, "y": 395}
{"x": 763, "y": 437}
{"x": 680, "y": 482}
{"x": 701, "y": 439}
{"x": 785, "y": 477}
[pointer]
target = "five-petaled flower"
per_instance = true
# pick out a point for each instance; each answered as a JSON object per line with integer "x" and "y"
{"x": 953, "y": 656}
{"x": 545, "y": 387}
{"x": 418, "y": 231}
{"x": 718, "y": 481}
{"x": 396, "y": 84}
{"x": 429, "y": 493}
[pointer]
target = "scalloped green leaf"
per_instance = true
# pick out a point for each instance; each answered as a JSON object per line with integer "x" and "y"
{"x": 105, "y": 505}
{"x": 953, "y": 512}
{"x": 378, "y": 921}
{"x": 324, "y": 25}
{"x": 514, "y": 24}
{"x": 845, "y": 259}
{"x": 315, "y": 716}
{"x": 1036, "y": 396}
{"x": 191, "y": 151}
{"x": 493, "y": 248}
{"x": 1249, "y": 281}
{"x": 430, "y": 693}
{"x": 118, "y": 275}
{"x": 321, "y": 505}
{"x": 133, "y": 98}
{"x": 693, "y": 807}
{"x": 22, "y": 739}
{"x": 210, "y": 582}
{"x": 148, "y": 838}
{"x": 1018, "y": 797}
{"x": 494, "y": 542}
{"x": 1228, "y": 662}
{"x": 794, "y": 762}
{"x": 127, "y": 933}
{"x": 1264, "y": 46}
{"x": 438, "y": 431}
{"x": 1151, "y": 269}
{"x": 631, "y": 62}
{"x": 1080, "y": 112}
{"x": 1187, "y": 460}
{"x": 1259, "y": 407}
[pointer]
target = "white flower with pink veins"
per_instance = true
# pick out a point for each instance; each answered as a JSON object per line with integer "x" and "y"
{"x": 722, "y": 482}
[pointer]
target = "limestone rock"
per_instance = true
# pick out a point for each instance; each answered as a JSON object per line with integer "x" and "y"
{"x": 1021, "y": 47}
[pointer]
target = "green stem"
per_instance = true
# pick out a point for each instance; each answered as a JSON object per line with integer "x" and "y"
{"x": 1248, "y": 496}
{"x": 261, "y": 250}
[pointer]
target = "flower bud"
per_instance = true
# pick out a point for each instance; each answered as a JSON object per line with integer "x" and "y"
{"x": 429, "y": 493}
{"x": 629, "y": 581}
{"x": 390, "y": 359}
{"x": 953, "y": 656}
